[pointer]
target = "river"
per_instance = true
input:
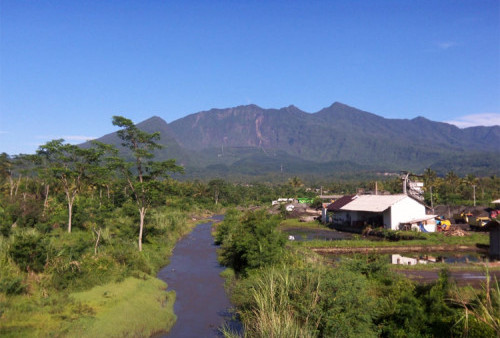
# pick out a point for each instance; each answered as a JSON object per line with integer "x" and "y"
{"x": 201, "y": 304}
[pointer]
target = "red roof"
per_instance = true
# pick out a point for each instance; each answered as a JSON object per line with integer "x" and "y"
{"x": 335, "y": 206}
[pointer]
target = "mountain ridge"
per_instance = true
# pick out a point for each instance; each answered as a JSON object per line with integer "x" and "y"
{"x": 236, "y": 137}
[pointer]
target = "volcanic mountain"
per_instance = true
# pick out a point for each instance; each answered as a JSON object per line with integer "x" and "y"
{"x": 250, "y": 140}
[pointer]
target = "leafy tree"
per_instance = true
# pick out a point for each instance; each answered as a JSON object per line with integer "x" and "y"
{"x": 217, "y": 188}
{"x": 295, "y": 182}
{"x": 143, "y": 181}
{"x": 71, "y": 166}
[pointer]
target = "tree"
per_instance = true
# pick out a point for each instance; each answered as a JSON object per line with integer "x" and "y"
{"x": 70, "y": 165}
{"x": 452, "y": 180}
{"x": 217, "y": 188}
{"x": 470, "y": 181}
{"x": 295, "y": 182}
{"x": 143, "y": 181}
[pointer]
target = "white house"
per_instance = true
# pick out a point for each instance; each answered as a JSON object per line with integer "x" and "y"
{"x": 389, "y": 211}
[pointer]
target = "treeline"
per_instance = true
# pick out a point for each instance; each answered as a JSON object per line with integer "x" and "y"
{"x": 285, "y": 291}
{"x": 450, "y": 189}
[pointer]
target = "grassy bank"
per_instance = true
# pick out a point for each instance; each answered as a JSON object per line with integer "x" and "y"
{"x": 136, "y": 307}
{"x": 110, "y": 292}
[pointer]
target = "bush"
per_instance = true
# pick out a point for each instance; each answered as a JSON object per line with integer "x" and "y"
{"x": 11, "y": 280}
{"x": 251, "y": 242}
{"x": 29, "y": 251}
{"x": 85, "y": 273}
{"x": 11, "y": 285}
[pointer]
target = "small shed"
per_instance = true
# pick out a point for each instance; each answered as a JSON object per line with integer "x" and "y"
{"x": 422, "y": 224}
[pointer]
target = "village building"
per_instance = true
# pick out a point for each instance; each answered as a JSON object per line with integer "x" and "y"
{"x": 390, "y": 211}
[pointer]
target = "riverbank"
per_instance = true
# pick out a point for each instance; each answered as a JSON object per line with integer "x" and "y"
{"x": 129, "y": 301}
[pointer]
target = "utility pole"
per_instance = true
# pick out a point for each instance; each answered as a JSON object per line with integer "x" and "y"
{"x": 432, "y": 203}
{"x": 474, "y": 193}
{"x": 405, "y": 181}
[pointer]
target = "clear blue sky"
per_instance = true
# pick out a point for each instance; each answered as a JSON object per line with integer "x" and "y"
{"x": 68, "y": 66}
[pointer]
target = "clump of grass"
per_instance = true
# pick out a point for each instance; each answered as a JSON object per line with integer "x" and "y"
{"x": 483, "y": 309}
{"x": 273, "y": 315}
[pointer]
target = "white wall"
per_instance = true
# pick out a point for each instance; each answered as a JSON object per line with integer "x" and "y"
{"x": 404, "y": 211}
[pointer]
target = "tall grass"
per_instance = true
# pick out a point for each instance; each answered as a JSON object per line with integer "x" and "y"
{"x": 273, "y": 315}
{"x": 269, "y": 311}
{"x": 484, "y": 308}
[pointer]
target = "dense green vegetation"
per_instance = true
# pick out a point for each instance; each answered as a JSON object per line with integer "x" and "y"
{"x": 296, "y": 294}
{"x": 70, "y": 235}
{"x": 84, "y": 230}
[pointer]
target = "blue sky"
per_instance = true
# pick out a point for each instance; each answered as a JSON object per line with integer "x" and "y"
{"x": 68, "y": 66}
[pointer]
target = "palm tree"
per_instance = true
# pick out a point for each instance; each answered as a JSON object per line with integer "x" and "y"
{"x": 471, "y": 181}
{"x": 295, "y": 182}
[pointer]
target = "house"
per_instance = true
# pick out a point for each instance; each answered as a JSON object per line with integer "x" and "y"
{"x": 389, "y": 211}
{"x": 334, "y": 207}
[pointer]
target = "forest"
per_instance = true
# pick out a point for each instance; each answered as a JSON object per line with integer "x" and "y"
{"x": 75, "y": 222}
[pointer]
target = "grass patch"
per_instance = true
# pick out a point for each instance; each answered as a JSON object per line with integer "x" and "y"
{"x": 295, "y": 223}
{"x": 132, "y": 308}
{"x": 429, "y": 239}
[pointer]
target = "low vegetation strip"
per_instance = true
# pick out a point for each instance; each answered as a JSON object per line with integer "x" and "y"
{"x": 392, "y": 249}
{"x": 424, "y": 240}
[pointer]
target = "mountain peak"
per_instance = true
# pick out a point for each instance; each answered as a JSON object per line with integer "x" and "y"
{"x": 153, "y": 119}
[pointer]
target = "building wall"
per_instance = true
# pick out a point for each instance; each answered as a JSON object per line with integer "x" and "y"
{"x": 403, "y": 211}
{"x": 495, "y": 243}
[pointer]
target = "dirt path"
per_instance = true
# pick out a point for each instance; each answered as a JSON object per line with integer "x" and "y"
{"x": 201, "y": 304}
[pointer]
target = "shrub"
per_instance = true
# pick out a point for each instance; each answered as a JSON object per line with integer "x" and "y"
{"x": 251, "y": 242}
{"x": 11, "y": 285}
{"x": 11, "y": 280}
{"x": 29, "y": 251}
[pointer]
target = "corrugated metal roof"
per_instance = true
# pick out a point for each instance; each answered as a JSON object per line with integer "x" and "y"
{"x": 338, "y": 204}
{"x": 373, "y": 203}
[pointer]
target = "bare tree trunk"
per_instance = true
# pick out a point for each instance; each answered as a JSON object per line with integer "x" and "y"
{"x": 71, "y": 199}
{"x": 46, "y": 201}
{"x": 97, "y": 241}
{"x": 11, "y": 183}
{"x": 18, "y": 184}
{"x": 142, "y": 213}
{"x": 100, "y": 197}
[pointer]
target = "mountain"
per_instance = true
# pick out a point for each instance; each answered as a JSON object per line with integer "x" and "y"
{"x": 171, "y": 148}
{"x": 251, "y": 141}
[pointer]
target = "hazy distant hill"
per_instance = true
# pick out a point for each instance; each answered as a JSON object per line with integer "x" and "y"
{"x": 249, "y": 140}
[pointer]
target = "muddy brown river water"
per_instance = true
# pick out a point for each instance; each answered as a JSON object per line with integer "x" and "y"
{"x": 201, "y": 304}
